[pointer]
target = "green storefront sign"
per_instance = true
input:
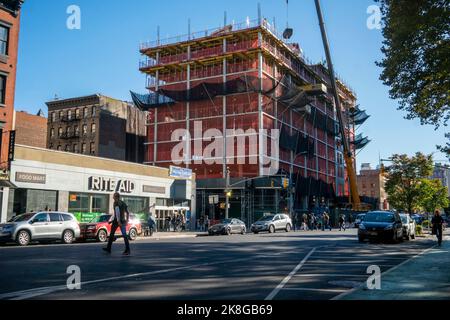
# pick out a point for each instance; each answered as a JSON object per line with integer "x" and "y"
{"x": 84, "y": 217}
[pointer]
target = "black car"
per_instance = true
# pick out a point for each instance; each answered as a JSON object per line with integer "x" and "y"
{"x": 228, "y": 227}
{"x": 381, "y": 225}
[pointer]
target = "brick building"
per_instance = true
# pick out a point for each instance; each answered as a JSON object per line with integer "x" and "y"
{"x": 9, "y": 40}
{"x": 245, "y": 77}
{"x": 371, "y": 183}
{"x": 31, "y": 130}
{"x": 97, "y": 125}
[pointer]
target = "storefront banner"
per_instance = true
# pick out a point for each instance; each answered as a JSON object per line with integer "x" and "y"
{"x": 30, "y": 177}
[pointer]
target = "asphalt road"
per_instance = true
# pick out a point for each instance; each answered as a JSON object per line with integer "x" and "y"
{"x": 283, "y": 266}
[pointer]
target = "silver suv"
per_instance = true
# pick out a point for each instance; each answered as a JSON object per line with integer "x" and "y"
{"x": 40, "y": 226}
{"x": 272, "y": 223}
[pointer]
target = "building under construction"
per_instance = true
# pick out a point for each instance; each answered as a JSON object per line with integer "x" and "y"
{"x": 246, "y": 77}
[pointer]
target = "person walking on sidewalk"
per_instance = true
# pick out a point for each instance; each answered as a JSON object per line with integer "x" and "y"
{"x": 341, "y": 222}
{"x": 151, "y": 224}
{"x": 437, "y": 223}
{"x": 119, "y": 220}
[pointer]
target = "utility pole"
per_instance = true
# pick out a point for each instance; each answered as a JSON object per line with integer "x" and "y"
{"x": 227, "y": 193}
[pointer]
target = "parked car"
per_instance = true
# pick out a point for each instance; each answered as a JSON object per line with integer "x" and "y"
{"x": 40, "y": 226}
{"x": 409, "y": 226}
{"x": 272, "y": 223}
{"x": 382, "y": 225}
{"x": 418, "y": 218}
{"x": 100, "y": 229}
{"x": 228, "y": 227}
{"x": 359, "y": 219}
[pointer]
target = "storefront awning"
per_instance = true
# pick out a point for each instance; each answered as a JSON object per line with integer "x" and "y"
{"x": 7, "y": 184}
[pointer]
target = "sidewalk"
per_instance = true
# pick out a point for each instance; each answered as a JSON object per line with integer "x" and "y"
{"x": 424, "y": 277}
{"x": 174, "y": 235}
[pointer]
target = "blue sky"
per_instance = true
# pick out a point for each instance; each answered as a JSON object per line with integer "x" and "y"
{"x": 103, "y": 56}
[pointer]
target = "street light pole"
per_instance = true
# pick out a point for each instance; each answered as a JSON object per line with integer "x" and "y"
{"x": 227, "y": 192}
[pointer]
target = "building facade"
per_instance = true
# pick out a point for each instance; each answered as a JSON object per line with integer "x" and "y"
{"x": 83, "y": 185}
{"x": 239, "y": 87}
{"x": 97, "y": 125}
{"x": 31, "y": 130}
{"x": 9, "y": 42}
{"x": 442, "y": 172}
{"x": 371, "y": 184}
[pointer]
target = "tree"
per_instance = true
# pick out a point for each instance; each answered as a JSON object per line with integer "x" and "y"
{"x": 416, "y": 64}
{"x": 433, "y": 195}
{"x": 446, "y": 149}
{"x": 404, "y": 178}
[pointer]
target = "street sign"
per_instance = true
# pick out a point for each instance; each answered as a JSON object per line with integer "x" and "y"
{"x": 181, "y": 173}
{"x": 214, "y": 199}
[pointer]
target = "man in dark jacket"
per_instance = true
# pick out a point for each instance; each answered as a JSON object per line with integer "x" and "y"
{"x": 119, "y": 220}
{"x": 437, "y": 223}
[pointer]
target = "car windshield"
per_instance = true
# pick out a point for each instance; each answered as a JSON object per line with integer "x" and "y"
{"x": 23, "y": 217}
{"x": 379, "y": 217}
{"x": 225, "y": 221}
{"x": 267, "y": 218}
{"x": 99, "y": 219}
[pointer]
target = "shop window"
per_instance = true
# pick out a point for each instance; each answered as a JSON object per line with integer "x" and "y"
{"x": 80, "y": 203}
{"x": 27, "y": 200}
{"x": 137, "y": 205}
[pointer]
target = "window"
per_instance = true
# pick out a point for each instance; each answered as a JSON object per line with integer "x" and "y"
{"x": 84, "y": 129}
{"x": 52, "y": 132}
{"x": 85, "y": 112}
{"x": 77, "y": 113}
{"x": 69, "y": 115}
{"x": 3, "y": 80}
{"x": 77, "y": 130}
{"x": 53, "y": 116}
{"x": 67, "y": 148}
{"x": 93, "y": 148}
{"x": 60, "y": 132}
{"x": 54, "y": 217}
{"x": 61, "y": 115}
{"x": 59, "y": 148}
{"x": 50, "y": 146}
{"x": 94, "y": 111}
{"x": 68, "y": 131}
{"x": 42, "y": 217}
{"x": 4, "y": 40}
{"x": 87, "y": 203}
{"x": 75, "y": 148}
{"x": 66, "y": 217}
{"x": 93, "y": 128}
{"x": 83, "y": 148}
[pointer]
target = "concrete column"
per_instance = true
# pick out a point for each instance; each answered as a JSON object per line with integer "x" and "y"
{"x": 4, "y": 209}
{"x": 193, "y": 205}
{"x": 63, "y": 201}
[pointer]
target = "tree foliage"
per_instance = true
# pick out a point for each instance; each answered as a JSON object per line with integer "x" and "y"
{"x": 433, "y": 195}
{"x": 404, "y": 178}
{"x": 416, "y": 64}
{"x": 446, "y": 149}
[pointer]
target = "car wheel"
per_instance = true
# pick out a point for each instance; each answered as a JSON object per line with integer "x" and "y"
{"x": 23, "y": 238}
{"x": 67, "y": 237}
{"x": 272, "y": 229}
{"x": 288, "y": 228}
{"x": 132, "y": 235}
{"x": 244, "y": 231}
{"x": 102, "y": 236}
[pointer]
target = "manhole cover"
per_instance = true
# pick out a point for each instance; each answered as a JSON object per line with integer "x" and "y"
{"x": 346, "y": 284}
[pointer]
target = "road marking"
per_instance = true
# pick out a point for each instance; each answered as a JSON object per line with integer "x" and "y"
{"x": 36, "y": 292}
{"x": 275, "y": 291}
{"x": 313, "y": 289}
{"x": 340, "y": 296}
{"x": 330, "y": 275}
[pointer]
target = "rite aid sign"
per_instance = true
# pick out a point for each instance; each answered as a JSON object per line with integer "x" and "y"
{"x": 111, "y": 185}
